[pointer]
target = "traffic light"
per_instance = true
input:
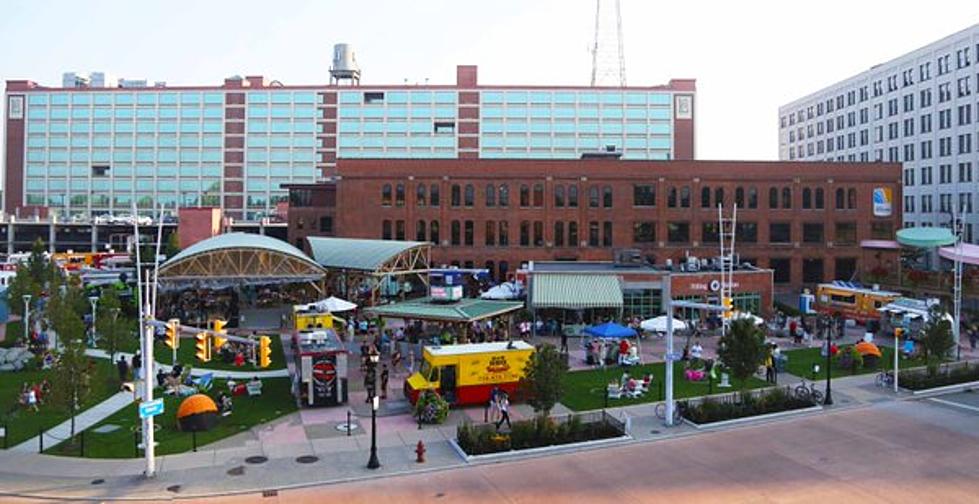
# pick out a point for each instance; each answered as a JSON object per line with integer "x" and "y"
{"x": 898, "y": 332}
{"x": 173, "y": 333}
{"x": 264, "y": 351}
{"x": 219, "y": 330}
{"x": 728, "y": 305}
{"x": 203, "y": 347}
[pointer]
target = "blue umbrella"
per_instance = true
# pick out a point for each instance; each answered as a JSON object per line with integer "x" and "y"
{"x": 611, "y": 330}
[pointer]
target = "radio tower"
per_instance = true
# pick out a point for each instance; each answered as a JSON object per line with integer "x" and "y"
{"x": 607, "y": 54}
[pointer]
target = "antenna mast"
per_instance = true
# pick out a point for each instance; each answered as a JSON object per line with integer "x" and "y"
{"x": 607, "y": 61}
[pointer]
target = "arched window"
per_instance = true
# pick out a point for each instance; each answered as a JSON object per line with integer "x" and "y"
{"x": 490, "y": 237}
{"x": 806, "y": 198}
{"x": 386, "y": 195}
{"x": 786, "y": 197}
{"x": 772, "y": 198}
{"x": 399, "y": 195}
{"x": 491, "y": 268}
{"x": 524, "y": 195}
{"x": 573, "y": 234}
{"x": 420, "y": 231}
{"x": 420, "y": 199}
{"x": 685, "y": 197}
{"x": 490, "y": 195}
{"x": 456, "y": 196}
{"x": 840, "y": 198}
{"x": 705, "y": 197}
{"x": 573, "y": 196}
{"x": 524, "y": 233}
{"x": 504, "y": 235}
{"x": 558, "y": 234}
{"x": 504, "y": 196}
{"x": 719, "y": 196}
{"x": 593, "y": 196}
{"x": 752, "y": 197}
{"x": 456, "y": 233}
{"x": 559, "y": 196}
{"x": 538, "y": 195}
{"x": 671, "y": 197}
{"x": 470, "y": 195}
{"x": 819, "y": 197}
{"x": 386, "y": 230}
{"x": 739, "y": 197}
{"x": 607, "y": 197}
{"x": 433, "y": 196}
{"x": 851, "y": 198}
{"x": 433, "y": 229}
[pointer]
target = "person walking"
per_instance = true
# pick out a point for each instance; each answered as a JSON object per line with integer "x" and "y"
{"x": 564, "y": 341}
{"x": 137, "y": 364}
{"x": 769, "y": 365}
{"x": 384, "y": 381}
{"x": 504, "y": 405}
{"x": 123, "y": 369}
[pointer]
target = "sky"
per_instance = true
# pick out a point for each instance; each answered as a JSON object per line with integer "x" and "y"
{"x": 748, "y": 56}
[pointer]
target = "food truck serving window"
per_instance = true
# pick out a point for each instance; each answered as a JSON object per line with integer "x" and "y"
{"x": 426, "y": 370}
{"x": 844, "y": 298}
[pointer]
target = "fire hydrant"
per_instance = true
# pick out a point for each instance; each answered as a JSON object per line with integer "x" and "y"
{"x": 420, "y": 451}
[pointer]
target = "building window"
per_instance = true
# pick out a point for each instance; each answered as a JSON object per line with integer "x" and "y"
{"x": 752, "y": 197}
{"x": 456, "y": 233}
{"x": 780, "y": 232}
{"x": 819, "y": 198}
{"x": 558, "y": 234}
{"x": 538, "y": 195}
{"x": 538, "y": 233}
{"x": 719, "y": 196}
{"x": 840, "y": 198}
{"x": 593, "y": 234}
{"x": 709, "y": 233}
{"x": 386, "y": 230}
{"x": 300, "y": 198}
{"x": 572, "y": 196}
{"x": 644, "y": 232}
{"x": 573, "y": 234}
{"x": 607, "y": 197}
{"x": 490, "y": 234}
{"x": 490, "y": 195}
{"x": 456, "y": 195}
{"x": 433, "y": 229}
{"x": 705, "y": 197}
{"x": 524, "y": 195}
{"x": 772, "y": 198}
{"x": 559, "y": 196}
{"x": 433, "y": 194}
{"x": 812, "y": 232}
{"x": 851, "y": 199}
{"x": 504, "y": 234}
{"x": 326, "y": 224}
{"x": 386, "y": 195}
{"x": 524, "y": 233}
{"x": 846, "y": 268}
{"x": 607, "y": 234}
{"x": 739, "y": 197}
{"x": 399, "y": 230}
{"x": 846, "y": 233}
{"x": 812, "y": 270}
{"x": 644, "y": 195}
{"x": 782, "y": 270}
{"x": 786, "y": 197}
{"x": 420, "y": 199}
{"x": 685, "y": 197}
{"x": 678, "y": 232}
{"x": 593, "y": 196}
{"x": 420, "y": 231}
{"x": 470, "y": 196}
{"x": 747, "y": 232}
{"x": 671, "y": 198}
{"x": 504, "y": 196}
{"x": 399, "y": 195}
{"x": 469, "y": 233}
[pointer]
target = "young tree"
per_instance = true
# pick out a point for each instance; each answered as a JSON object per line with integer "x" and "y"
{"x": 37, "y": 263}
{"x": 742, "y": 350}
{"x": 172, "y": 245}
{"x": 543, "y": 378}
{"x": 936, "y": 339}
{"x": 71, "y": 380}
{"x": 110, "y": 321}
{"x": 22, "y": 283}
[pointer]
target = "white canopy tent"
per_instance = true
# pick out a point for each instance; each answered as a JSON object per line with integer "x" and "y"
{"x": 506, "y": 290}
{"x": 658, "y": 324}
{"x": 331, "y": 304}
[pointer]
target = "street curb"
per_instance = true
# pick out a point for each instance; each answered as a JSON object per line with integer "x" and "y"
{"x": 957, "y": 387}
{"x": 541, "y": 450}
{"x": 751, "y": 419}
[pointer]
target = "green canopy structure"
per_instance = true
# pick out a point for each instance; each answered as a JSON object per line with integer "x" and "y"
{"x": 925, "y": 237}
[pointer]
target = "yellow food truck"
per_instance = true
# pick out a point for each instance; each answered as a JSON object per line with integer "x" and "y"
{"x": 466, "y": 374}
{"x": 307, "y": 318}
{"x": 852, "y": 301}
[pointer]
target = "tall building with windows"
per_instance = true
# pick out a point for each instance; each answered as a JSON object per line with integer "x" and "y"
{"x": 920, "y": 109}
{"x": 85, "y": 150}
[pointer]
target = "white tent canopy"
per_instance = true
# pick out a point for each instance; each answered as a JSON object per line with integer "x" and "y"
{"x": 740, "y": 315}
{"x": 331, "y": 304}
{"x": 658, "y": 324}
{"x": 506, "y": 290}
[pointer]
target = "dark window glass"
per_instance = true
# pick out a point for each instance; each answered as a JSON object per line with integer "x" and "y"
{"x": 783, "y": 270}
{"x": 434, "y": 230}
{"x": 671, "y": 198}
{"x": 806, "y": 198}
{"x": 573, "y": 196}
{"x": 386, "y": 195}
{"x": 524, "y": 195}
{"x": 593, "y": 234}
{"x": 846, "y": 268}
{"x": 573, "y": 234}
{"x": 739, "y": 197}
{"x": 644, "y": 232}
{"x": 747, "y": 232}
{"x": 559, "y": 196}
{"x": 456, "y": 196}
{"x": 470, "y": 195}
{"x": 399, "y": 230}
{"x": 607, "y": 197}
{"x": 524, "y": 233}
{"x": 538, "y": 233}
{"x": 644, "y": 195}
{"x": 558, "y": 234}
{"x": 420, "y": 231}
{"x": 882, "y": 231}
{"x": 399, "y": 195}
{"x": 752, "y": 197}
{"x": 538, "y": 195}
{"x": 772, "y": 198}
{"x": 685, "y": 197}
{"x": 846, "y": 233}
{"x": 812, "y": 232}
{"x": 433, "y": 194}
{"x": 678, "y": 232}
{"x": 812, "y": 270}
{"x": 786, "y": 197}
{"x": 456, "y": 232}
{"x": 326, "y": 224}
{"x": 719, "y": 196}
{"x": 851, "y": 199}
{"x": 819, "y": 198}
{"x": 504, "y": 195}
{"x": 504, "y": 237}
{"x": 386, "y": 230}
{"x": 709, "y": 233}
{"x": 779, "y": 232}
{"x": 490, "y": 232}
{"x": 607, "y": 234}
{"x": 420, "y": 199}
{"x": 490, "y": 195}
{"x": 705, "y": 197}
{"x": 840, "y": 198}
{"x": 593, "y": 196}
{"x": 469, "y": 233}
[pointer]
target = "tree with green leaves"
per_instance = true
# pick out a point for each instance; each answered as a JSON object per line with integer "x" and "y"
{"x": 111, "y": 323}
{"x": 172, "y": 245}
{"x": 936, "y": 339}
{"x": 71, "y": 380}
{"x": 544, "y": 378}
{"x": 38, "y": 261}
{"x": 21, "y": 284}
{"x": 742, "y": 350}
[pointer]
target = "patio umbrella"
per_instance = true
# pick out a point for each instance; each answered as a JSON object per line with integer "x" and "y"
{"x": 610, "y": 330}
{"x": 740, "y": 315}
{"x": 335, "y": 305}
{"x": 658, "y": 324}
{"x": 197, "y": 413}
{"x": 867, "y": 348}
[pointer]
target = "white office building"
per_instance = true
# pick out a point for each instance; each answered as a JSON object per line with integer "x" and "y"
{"x": 920, "y": 109}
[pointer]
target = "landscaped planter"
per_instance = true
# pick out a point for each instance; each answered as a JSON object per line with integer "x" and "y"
{"x": 951, "y": 377}
{"x": 735, "y": 408}
{"x": 752, "y": 418}
{"x": 478, "y": 442}
{"x": 944, "y": 389}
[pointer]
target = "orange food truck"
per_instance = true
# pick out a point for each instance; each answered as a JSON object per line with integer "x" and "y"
{"x": 466, "y": 374}
{"x": 852, "y": 301}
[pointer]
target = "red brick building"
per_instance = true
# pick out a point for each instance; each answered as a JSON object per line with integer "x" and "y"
{"x": 809, "y": 222}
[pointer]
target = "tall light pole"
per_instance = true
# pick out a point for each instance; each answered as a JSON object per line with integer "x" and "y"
{"x": 27, "y": 317}
{"x": 668, "y": 300}
{"x": 373, "y": 463}
{"x": 94, "y": 300}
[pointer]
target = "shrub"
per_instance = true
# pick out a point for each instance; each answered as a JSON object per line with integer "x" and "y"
{"x": 537, "y": 432}
{"x": 918, "y": 380}
{"x": 742, "y": 405}
{"x": 431, "y": 408}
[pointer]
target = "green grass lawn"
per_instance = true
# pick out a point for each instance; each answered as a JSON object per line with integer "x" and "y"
{"x": 23, "y": 424}
{"x": 801, "y": 361}
{"x": 276, "y": 400}
{"x": 584, "y": 390}
{"x": 14, "y": 330}
{"x": 186, "y": 355}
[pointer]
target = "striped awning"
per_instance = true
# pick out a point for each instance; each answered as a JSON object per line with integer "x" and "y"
{"x": 575, "y": 291}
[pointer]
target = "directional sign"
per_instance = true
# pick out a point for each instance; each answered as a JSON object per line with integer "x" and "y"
{"x": 675, "y": 356}
{"x": 151, "y": 408}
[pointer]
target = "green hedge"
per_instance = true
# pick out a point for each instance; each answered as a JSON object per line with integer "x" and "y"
{"x": 710, "y": 410}
{"x": 533, "y": 433}
{"x": 920, "y": 380}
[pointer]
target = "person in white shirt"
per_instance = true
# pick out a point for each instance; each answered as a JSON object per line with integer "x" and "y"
{"x": 697, "y": 351}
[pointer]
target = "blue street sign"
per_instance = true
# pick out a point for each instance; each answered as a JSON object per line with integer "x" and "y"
{"x": 675, "y": 356}
{"x": 151, "y": 408}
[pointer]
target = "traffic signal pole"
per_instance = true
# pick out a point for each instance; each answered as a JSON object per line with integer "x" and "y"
{"x": 149, "y": 448}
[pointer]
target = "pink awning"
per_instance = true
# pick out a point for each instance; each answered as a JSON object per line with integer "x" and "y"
{"x": 880, "y": 244}
{"x": 970, "y": 253}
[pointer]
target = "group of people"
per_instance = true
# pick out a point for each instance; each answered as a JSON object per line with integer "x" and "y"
{"x": 135, "y": 364}
{"x": 499, "y": 408}
{"x": 773, "y": 354}
{"x": 32, "y": 395}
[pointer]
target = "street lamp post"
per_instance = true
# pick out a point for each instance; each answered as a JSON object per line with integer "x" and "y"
{"x": 828, "y": 397}
{"x": 94, "y": 300}
{"x": 373, "y": 463}
{"x": 27, "y": 317}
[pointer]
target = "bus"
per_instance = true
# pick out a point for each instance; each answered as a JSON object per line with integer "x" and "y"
{"x": 852, "y": 300}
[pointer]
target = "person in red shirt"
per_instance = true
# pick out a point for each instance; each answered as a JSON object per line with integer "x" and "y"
{"x": 239, "y": 359}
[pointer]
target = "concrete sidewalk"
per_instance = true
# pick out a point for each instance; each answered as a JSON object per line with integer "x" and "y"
{"x": 83, "y": 420}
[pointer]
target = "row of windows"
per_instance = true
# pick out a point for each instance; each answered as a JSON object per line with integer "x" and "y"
{"x": 894, "y": 128}
{"x": 944, "y": 203}
{"x": 396, "y": 97}
{"x": 965, "y": 174}
{"x": 79, "y": 173}
{"x": 570, "y": 127}
{"x": 171, "y": 140}
{"x": 55, "y": 113}
{"x": 351, "y": 112}
{"x": 581, "y": 142}
{"x": 357, "y": 142}
{"x": 616, "y": 113}
{"x": 62, "y": 127}
{"x": 570, "y": 97}
{"x": 105, "y": 155}
{"x": 129, "y": 185}
{"x": 127, "y": 98}
{"x": 600, "y": 233}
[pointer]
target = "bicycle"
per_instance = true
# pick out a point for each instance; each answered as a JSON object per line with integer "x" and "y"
{"x": 808, "y": 392}
{"x": 885, "y": 379}
{"x": 660, "y": 411}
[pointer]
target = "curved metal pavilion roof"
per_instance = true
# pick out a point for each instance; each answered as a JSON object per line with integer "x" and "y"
{"x": 365, "y": 255}
{"x": 239, "y": 259}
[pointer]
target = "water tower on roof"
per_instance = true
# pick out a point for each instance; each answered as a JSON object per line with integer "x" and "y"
{"x": 344, "y": 65}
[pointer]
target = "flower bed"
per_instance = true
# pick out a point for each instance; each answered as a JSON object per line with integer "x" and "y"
{"x": 949, "y": 374}
{"x": 538, "y": 432}
{"x": 740, "y": 405}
